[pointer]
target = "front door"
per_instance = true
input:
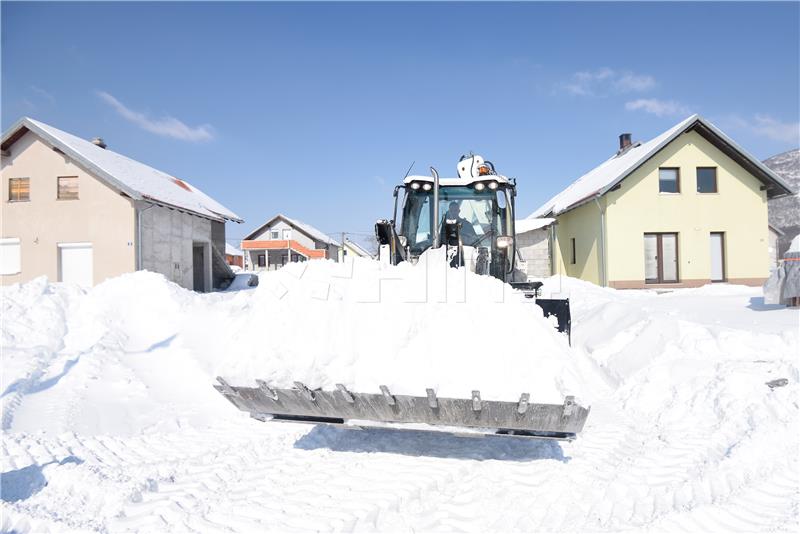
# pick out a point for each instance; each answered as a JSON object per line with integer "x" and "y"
{"x": 198, "y": 267}
{"x": 75, "y": 263}
{"x": 717, "y": 257}
{"x": 661, "y": 258}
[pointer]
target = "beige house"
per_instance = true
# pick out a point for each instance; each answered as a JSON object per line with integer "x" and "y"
{"x": 74, "y": 211}
{"x": 283, "y": 240}
{"x": 353, "y": 249}
{"x": 684, "y": 209}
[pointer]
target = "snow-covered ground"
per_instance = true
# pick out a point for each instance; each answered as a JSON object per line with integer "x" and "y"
{"x": 110, "y": 421}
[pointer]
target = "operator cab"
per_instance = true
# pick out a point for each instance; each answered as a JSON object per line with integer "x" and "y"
{"x": 475, "y": 217}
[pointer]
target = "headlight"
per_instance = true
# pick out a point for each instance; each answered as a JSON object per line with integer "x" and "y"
{"x": 479, "y": 186}
{"x": 414, "y": 185}
{"x": 492, "y": 185}
{"x": 505, "y": 241}
{"x": 427, "y": 186}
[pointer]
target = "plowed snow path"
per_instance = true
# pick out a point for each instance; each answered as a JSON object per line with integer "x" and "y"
{"x": 250, "y": 476}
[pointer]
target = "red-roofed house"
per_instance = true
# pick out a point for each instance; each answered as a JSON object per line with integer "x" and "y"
{"x": 282, "y": 240}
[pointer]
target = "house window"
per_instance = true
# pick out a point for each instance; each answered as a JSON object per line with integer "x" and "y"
{"x": 262, "y": 260}
{"x": 573, "y": 259}
{"x": 660, "y": 258}
{"x": 10, "y": 256}
{"x": 19, "y": 189}
{"x": 275, "y": 234}
{"x": 706, "y": 179}
{"x": 67, "y": 188}
{"x": 669, "y": 180}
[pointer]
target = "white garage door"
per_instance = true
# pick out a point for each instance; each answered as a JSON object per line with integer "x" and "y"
{"x": 75, "y": 263}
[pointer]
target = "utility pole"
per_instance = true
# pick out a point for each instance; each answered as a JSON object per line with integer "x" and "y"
{"x": 343, "y": 247}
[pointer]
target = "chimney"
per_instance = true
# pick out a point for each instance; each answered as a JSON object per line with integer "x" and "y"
{"x": 624, "y": 142}
{"x": 98, "y": 141}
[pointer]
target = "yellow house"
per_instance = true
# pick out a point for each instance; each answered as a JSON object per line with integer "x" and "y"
{"x": 681, "y": 210}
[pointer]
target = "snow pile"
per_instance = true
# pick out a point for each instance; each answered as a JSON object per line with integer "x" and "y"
{"x": 110, "y": 422}
{"x": 409, "y": 327}
{"x": 140, "y": 353}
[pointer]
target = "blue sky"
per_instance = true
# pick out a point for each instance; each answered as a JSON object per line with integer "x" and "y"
{"x": 317, "y": 110}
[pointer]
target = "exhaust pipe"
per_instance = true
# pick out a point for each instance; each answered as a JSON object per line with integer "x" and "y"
{"x": 436, "y": 237}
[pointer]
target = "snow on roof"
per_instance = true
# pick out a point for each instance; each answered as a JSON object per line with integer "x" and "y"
{"x": 532, "y": 223}
{"x": 303, "y": 227}
{"x": 137, "y": 180}
{"x": 358, "y": 248}
{"x": 313, "y": 232}
{"x": 599, "y": 180}
{"x": 795, "y": 244}
{"x": 230, "y": 250}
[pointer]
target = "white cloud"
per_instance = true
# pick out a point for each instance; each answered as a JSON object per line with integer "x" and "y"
{"x": 165, "y": 126}
{"x": 660, "y": 108}
{"x": 629, "y": 81}
{"x": 605, "y": 80}
{"x": 767, "y": 126}
{"x": 44, "y": 94}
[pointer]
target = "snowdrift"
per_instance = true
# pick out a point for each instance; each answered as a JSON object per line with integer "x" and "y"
{"x": 110, "y": 422}
{"x": 154, "y": 349}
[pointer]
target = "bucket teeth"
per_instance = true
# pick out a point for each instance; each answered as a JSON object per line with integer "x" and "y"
{"x": 346, "y": 394}
{"x": 569, "y": 405}
{"x": 226, "y": 388}
{"x": 340, "y": 406}
{"x": 388, "y": 396}
{"x": 476, "y": 400}
{"x": 432, "y": 402}
{"x": 307, "y": 392}
{"x": 522, "y": 406}
{"x": 263, "y": 386}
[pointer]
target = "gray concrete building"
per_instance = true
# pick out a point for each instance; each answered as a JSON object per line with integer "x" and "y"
{"x": 533, "y": 246}
{"x": 75, "y": 211}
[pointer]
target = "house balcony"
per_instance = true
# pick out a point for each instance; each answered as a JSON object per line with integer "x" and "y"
{"x": 272, "y": 254}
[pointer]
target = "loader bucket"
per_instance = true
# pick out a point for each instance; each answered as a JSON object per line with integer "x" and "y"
{"x": 472, "y": 416}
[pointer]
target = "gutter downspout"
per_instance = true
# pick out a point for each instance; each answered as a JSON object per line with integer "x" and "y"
{"x": 603, "y": 281}
{"x": 139, "y": 236}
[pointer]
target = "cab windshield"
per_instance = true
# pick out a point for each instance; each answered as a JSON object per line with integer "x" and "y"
{"x": 482, "y": 215}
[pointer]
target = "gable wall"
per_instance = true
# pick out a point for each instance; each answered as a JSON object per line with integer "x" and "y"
{"x": 100, "y": 215}
{"x": 739, "y": 209}
{"x": 297, "y": 235}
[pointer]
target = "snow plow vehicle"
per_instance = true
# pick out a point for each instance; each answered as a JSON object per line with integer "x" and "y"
{"x": 472, "y": 216}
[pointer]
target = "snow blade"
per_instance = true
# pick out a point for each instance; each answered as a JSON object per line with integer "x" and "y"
{"x": 471, "y": 415}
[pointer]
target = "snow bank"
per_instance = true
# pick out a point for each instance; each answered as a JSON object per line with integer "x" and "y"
{"x": 138, "y": 352}
{"x": 409, "y": 327}
{"x": 110, "y": 422}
